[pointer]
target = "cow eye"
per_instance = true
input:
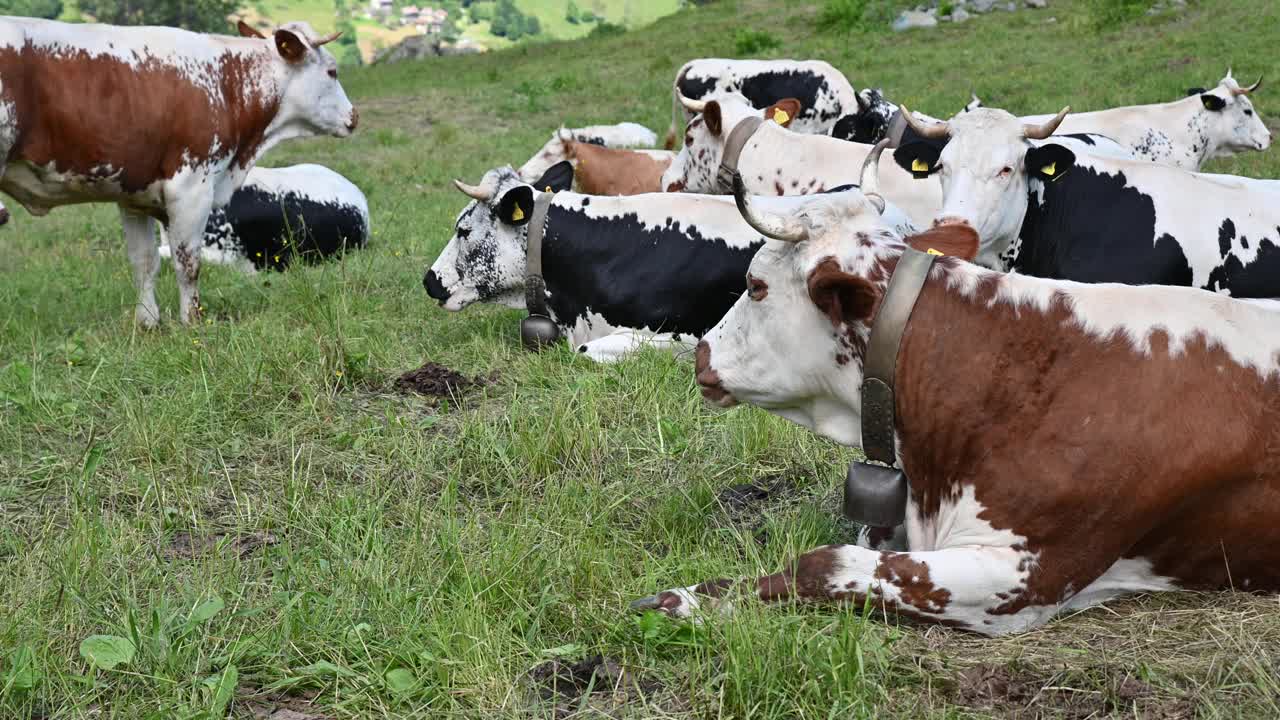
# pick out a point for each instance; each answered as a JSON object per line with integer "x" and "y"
{"x": 1006, "y": 171}
{"x": 757, "y": 289}
{"x": 333, "y": 73}
{"x": 1247, "y": 111}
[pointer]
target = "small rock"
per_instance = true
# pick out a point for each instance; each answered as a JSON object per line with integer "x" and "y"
{"x": 1011, "y": 7}
{"x": 1037, "y": 3}
{"x": 983, "y": 6}
{"x": 911, "y": 19}
{"x": 959, "y": 15}
{"x": 1050, "y": 21}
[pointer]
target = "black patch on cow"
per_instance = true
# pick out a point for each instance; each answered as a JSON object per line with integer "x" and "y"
{"x": 1049, "y": 162}
{"x": 1213, "y": 102}
{"x": 697, "y": 88}
{"x": 864, "y": 127}
{"x": 1258, "y": 279}
{"x": 1092, "y": 228}
{"x": 918, "y": 158}
{"x": 767, "y": 88}
{"x": 273, "y": 230}
{"x": 667, "y": 279}
{"x": 1086, "y": 138}
{"x": 1194, "y": 91}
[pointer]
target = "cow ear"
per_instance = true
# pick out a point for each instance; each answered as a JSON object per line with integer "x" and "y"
{"x": 844, "y": 298}
{"x": 247, "y": 30}
{"x": 290, "y": 46}
{"x": 918, "y": 158}
{"x": 558, "y": 177}
{"x": 1049, "y": 162}
{"x": 1212, "y": 102}
{"x": 516, "y": 205}
{"x": 783, "y": 111}
{"x": 950, "y": 239}
{"x": 1195, "y": 91}
{"x": 711, "y": 116}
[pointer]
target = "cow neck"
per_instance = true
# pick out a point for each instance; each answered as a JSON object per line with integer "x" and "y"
{"x": 742, "y": 132}
{"x": 880, "y": 363}
{"x": 535, "y": 287}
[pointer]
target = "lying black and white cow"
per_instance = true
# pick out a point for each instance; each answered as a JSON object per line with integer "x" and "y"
{"x": 824, "y": 93}
{"x": 1085, "y": 217}
{"x": 279, "y": 215}
{"x": 621, "y": 272}
{"x": 874, "y": 114}
{"x": 621, "y": 135}
{"x": 1184, "y": 133}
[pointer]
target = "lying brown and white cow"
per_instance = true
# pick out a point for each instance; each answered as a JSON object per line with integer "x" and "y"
{"x": 603, "y": 170}
{"x": 621, "y": 135}
{"x": 163, "y": 122}
{"x": 1064, "y": 443}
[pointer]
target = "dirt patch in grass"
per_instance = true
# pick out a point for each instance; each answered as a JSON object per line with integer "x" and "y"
{"x": 746, "y": 505}
{"x": 1014, "y": 691}
{"x": 186, "y": 546}
{"x": 436, "y": 380}
{"x": 593, "y": 686}
{"x": 256, "y": 705}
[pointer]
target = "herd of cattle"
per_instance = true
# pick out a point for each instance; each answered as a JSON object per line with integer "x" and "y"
{"x": 1087, "y": 392}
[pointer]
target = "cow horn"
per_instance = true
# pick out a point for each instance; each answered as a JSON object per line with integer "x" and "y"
{"x": 327, "y": 39}
{"x": 932, "y": 130}
{"x": 1040, "y": 132}
{"x": 696, "y": 106}
{"x": 474, "y": 191}
{"x": 863, "y": 105}
{"x": 766, "y": 224}
{"x": 870, "y": 179}
{"x": 1247, "y": 90}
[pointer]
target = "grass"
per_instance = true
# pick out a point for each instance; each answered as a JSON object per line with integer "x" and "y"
{"x": 382, "y": 555}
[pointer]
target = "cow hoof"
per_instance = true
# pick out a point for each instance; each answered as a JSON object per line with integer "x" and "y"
{"x": 677, "y": 603}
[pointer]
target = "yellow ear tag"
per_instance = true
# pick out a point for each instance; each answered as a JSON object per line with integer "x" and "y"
{"x": 548, "y": 188}
{"x": 780, "y": 116}
{"x": 919, "y": 165}
{"x": 931, "y": 251}
{"x": 1050, "y": 169}
{"x": 517, "y": 214}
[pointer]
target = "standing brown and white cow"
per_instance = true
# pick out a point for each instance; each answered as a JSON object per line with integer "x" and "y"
{"x": 1064, "y": 443}
{"x": 163, "y": 122}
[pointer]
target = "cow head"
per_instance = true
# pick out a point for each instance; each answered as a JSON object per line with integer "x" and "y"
{"x": 312, "y": 100}
{"x": 694, "y": 168}
{"x": 794, "y": 342}
{"x": 869, "y": 124}
{"x": 485, "y": 259}
{"x": 986, "y": 169}
{"x": 1227, "y": 118}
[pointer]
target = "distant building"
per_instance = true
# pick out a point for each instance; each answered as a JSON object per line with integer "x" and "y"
{"x": 380, "y": 7}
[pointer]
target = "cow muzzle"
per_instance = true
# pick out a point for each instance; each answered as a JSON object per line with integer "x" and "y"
{"x": 435, "y": 289}
{"x": 354, "y": 121}
{"x": 709, "y": 380}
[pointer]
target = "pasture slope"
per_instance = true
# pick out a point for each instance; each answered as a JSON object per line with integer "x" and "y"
{"x": 379, "y": 554}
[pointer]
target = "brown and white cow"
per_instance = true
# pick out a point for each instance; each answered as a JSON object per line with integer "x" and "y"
{"x": 601, "y": 170}
{"x": 163, "y": 122}
{"x": 1064, "y": 443}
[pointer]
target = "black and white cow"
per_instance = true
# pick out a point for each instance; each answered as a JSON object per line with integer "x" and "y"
{"x": 1090, "y": 218}
{"x": 874, "y": 113}
{"x": 824, "y": 93}
{"x": 621, "y": 272}
{"x": 301, "y": 212}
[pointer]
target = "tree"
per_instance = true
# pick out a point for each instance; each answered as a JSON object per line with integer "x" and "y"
{"x": 48, "y": 9}
{"x": 572, "y": 14}
{"x": 197, "y": 15}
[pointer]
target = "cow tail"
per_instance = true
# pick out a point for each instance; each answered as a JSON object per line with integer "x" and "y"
{"x": 670, "y": 141}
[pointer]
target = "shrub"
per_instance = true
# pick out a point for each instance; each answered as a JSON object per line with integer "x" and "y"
{"x": 842, "y": 15}
{"x": 606, "y": 29}
{"x": 754, "y": 42}
{"x": 1106, "y": 14}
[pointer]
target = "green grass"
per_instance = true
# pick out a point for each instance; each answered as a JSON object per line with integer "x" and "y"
{"x": 381, "y": 555}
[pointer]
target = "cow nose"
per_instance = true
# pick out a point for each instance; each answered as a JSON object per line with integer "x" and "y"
{"x": 435, "y": 288}
{"x": 707, "y": 377}
{"x": 950, "y": 220}
{"x": 355, "y": 120}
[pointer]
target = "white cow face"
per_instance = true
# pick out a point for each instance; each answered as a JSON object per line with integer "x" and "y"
{"x": 694, "y": 168}
{"x": 313, "y": 101}
{"x": 485, "y": 259}
{"x": 794, "y": 342}
{"x": 1229, "y": 121}
{"x": 986, "y": 169}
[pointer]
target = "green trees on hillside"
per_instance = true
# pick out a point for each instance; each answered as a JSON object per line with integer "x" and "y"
{"x": 198, "y": 15}
{"x": 510, "y": 23}
{"x": 31, "y": 8}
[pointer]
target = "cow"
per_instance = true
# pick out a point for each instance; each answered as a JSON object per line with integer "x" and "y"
{"x": 824, "y": 93}
{"x": 1063, "y": 443}
{"x": 1185, "y": 133}
{"x": 301, "y": 212}
{"x": 609, "y": 171}
{"x": 875, "y": 114}
{"x": 1093, "y": 218}
{"x": 621, "y": 135}
{"x": 163, "y": 122}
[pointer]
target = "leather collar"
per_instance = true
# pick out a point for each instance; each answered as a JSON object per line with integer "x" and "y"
{"x": 535, "y": 287}
{"x": 880, "y": 364}
{"x": 742, "y": 132}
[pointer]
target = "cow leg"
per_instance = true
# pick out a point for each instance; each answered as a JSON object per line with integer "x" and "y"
{"x": 186, "y": 239}
{"x": 144, "y": 256}
{"x": 962, "y": 587}
{"x": 618, "y": 345}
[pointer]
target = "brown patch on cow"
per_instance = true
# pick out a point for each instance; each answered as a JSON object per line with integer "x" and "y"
{"x": 777, "y": 188}
{"x": 911, "y": 577}
{"x": 790, "y": 106}
{"x": 757, "y": 289}
{"x": 69, "y": 106}
{"x": 844, "y": 297}
{"x": 808, "y": 578}
{"x": 247, "y": 30}
{"x": 677, "y": 186}
{"x": 610, "y": 171}
{"x": 950, "y": 239}
{"x": 711, "y": 116}
{"x": 706, "y": 376}
{"x": 439, "y": 381}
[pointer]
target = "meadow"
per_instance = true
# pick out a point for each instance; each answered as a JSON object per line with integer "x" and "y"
{"x": 250, "y": 519}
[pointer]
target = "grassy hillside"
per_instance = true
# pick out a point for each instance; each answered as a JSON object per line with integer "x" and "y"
{"x": 381, "y": 555}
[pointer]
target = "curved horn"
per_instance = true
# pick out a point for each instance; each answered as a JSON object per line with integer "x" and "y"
{"x": 932, "y": 130}
{"x": 764, "y": 224}
{"x": 1247, "y": 90}
{"x": 327, "y": 39}
{"x": 696, "y": 106}
{"x": 863, "y": 105}
{"x": 1040, "y": 132}
{"x": 473, "y": 191}
{"x": 870, "y": 179}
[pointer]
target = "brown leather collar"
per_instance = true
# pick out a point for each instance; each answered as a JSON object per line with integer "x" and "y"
{"x": 742, "y": 132}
